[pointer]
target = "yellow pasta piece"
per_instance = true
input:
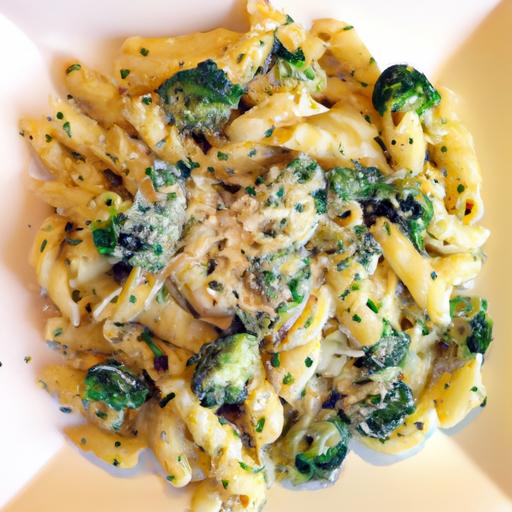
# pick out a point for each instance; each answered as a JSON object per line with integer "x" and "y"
{"x": 454, "y": 151}
{"x": 410, "y": 435}
{"x": 207, "y": 497}
{"x": 352, "y": 55}
{"x": 150, "y": 122}
{"x": 244, "y": 57}
{"x": 311, "y": 321}
{"x": 58, "y": 195}
{"x": 225, "y": 449}
{"x": 97, "y": 94}
{"x": 172, "y": 323}
{"x": 430, "y": 290}
{"x": 336, "y": 137}
{"x": 264, "y": 16}
{"x": 405, "y": 141}
{"x": 168, "y": 437}
{"x": 65, "y": 383}
{"x": 281, "y": 109}
{"x": 88, "y": 336}
{"x": 120, "y": 451}
{"x": 456, "y": 393}
{"x": 264, "y": 414}
{"x": 135, "y": 345}
{"x": 166, "y": 56}
{"x": 296, "y": 367}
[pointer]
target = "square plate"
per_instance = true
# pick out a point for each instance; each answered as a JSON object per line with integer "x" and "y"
{"x": 464, "y": 45}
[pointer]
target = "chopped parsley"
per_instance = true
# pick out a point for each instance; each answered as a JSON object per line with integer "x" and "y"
{"x": 248, "y": 468}
{"x": 166, "y": 399}
{"x": 67, "y": 128}
{"x": 260, "y": 425}
{"x": 372, "y": 305}
{"x": 73, "y": 67}
{"x": 274, "y": 360}
{"x": 216, "y": 286}
{"x": 269, "y": 132}
{"x": 288, "y": 379}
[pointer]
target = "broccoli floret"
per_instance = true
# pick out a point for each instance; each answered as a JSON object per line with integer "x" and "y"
{"x": 389, "y": 351}
{"x": 357, "y": 184}
{"x": 318, "y": 450}
{"x": 416, "y": 213}
{"x": 200, "y": 100}
{"x": 362, "y": 247}
{"x": 320, "y": 197}
{"x": 378, "y": 416}
{"x": 223, "y": 369}
{"x": 145, "y": 235}
{"x": 295, "y": 58}
{"x": 400, "y": 201}
{"x": 284, "y": 280}
{"x": 289, "y": 69}
{"x": 162, "y": 174}
{"x": 115, "y": 385}
{"x": 471, "y": 326}
{"x": 367, "y": 249}
{"x": 410, "y": 208}
{"x": 401, "y": 88}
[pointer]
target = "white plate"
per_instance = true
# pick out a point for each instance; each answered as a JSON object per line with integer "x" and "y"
{"x": 466, "y": 45}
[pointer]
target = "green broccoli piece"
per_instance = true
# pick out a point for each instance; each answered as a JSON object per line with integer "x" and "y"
{"x": 367, "y": 249}
{"x": 378, "y": 416}
{"x": 316, "y": 451}
{"x": 200, "y": 100}
{"x": 162, "y": 174}
{"x": 223, "y": 369}
{"x": 145, "y": 235}
{"x": 401, "y": 88}
{"x": 296, "y": 58}
{"x": 389, "y": 351}
{"x": 289, "y": 68}
{"x": 320, "y": 197}
{"x": 303, "y": 168}
{"x": 284, "y": 280}
{"x": 115, "y": 385}
{"x": 400, "y": 201}
{"x": 471, "y": 326}
{"x": 410, "y": 208}
{"x": 358, "y": 184}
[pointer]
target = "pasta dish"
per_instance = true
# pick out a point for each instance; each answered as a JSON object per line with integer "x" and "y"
{"x": 258, "y": 255}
